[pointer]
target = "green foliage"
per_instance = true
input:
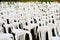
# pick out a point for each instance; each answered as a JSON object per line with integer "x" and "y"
{"x": 28, "y": 0}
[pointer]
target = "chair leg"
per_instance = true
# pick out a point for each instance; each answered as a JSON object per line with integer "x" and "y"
{"x": 40, "y": 36}
{"x": 43, "y": 35}
{"x": 50, "y": 34}
{"x": 16, "y": 37}
{"x": 30, "y": 36}
{"x": 55, "y": 31}
{"x": 6, "y": 30}
{"x": 37, "y": 36}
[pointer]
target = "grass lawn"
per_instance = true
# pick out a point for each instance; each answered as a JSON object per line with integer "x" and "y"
{"x": 32, "y": 0}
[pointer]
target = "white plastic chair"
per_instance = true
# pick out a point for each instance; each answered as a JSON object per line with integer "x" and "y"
{"x": 52, "y": 26}
{"x": 55, "y": 38}
{"x": 43, "y": 30}
{"x": 58, "y": 26}
{"x": 21, "y": 33}
{"x": 4, "y": 36}
{"x": 7, "y": 26}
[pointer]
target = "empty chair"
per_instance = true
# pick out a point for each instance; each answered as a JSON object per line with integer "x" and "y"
{"x": 42, "y": 30}
{"x": 56, "y": 38}
{"x": 58, "y": 27}
{"x": 50, "y": 28}
{"x": 8, "y": 27}
{"x": 20, "y": 34}
{"x": 4, "y": 36}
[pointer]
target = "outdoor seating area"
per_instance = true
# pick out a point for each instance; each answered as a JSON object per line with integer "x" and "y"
{"x": 29, "y": 21}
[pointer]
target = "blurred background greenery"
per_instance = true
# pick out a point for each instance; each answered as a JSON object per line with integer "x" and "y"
{"x": 31, "y": 0}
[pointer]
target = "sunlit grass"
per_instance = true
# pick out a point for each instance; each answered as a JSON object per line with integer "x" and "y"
{"x": 30, "y": 0}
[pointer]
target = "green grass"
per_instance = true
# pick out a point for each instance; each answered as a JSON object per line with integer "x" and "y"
{"x": 30, "y": 0}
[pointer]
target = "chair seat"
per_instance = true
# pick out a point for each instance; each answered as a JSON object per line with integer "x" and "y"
{"x": 4, "y": 36}
{"x": 18, "y": 31}
{"x": 55, "y": 38}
